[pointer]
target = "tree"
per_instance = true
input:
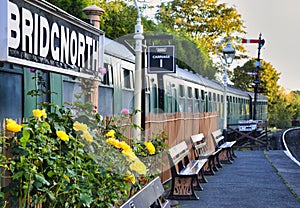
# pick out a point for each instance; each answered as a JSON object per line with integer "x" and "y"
{"x": 293, "y": 98}
{"x": 240, "y": 78}
{"x": 119, "y": 18}
{"x": 192, "y": 55}
{"x": 204, "y": 20}
{"x": 73, "y": 7}
{"x": 281, "y": 108}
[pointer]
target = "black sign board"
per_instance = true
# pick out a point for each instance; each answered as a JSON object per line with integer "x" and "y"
{"x": 161, "y": 59}
{"x": 39, "y": 35}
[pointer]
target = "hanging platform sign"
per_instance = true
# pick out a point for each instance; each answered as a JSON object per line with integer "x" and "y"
{"x": 161, "y": 59}
{"x": 36, "y": 34}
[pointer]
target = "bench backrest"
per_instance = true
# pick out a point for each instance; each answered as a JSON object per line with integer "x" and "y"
{"x": 178, "y": 156}
{"x": 147, "y": 196}
{"x": 218, "y": 137}
{"x": 199, "y": 144}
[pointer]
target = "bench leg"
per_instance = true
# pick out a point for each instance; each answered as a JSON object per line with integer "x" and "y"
{"x": 217, "y": 162}
{"x": 201, "y": 178}
{"x": 209, "y": 167}
{"x": 183, "y": 188}
{"x": 232, "y": 152}
{"x": 225, "y": 156}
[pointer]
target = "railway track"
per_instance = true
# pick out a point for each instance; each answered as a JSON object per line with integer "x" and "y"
{"x": 291, "y": 142}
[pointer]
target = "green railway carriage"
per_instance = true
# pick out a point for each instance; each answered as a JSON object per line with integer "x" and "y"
{"x": 70, "y": 50}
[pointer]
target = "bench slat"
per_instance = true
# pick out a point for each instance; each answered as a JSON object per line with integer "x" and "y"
{"x": 177, "y": 149}
{"x": 193, "y": 167}
{"x": 197, "y": 138}
{"x": 146, "y": 196}
{"x": 180, "y": 157}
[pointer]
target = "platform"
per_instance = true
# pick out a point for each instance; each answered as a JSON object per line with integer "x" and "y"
{"x": 256, "y": 179}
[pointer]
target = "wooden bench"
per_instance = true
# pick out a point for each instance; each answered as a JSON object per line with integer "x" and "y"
{"x": 149, "y": 196}
{"x": 186, "y": 174}
{"x": 226, "y": 147}
{"x": 201, "y": 151}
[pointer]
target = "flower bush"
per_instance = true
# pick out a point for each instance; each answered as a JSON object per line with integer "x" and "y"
{"x": 72, "y": 157}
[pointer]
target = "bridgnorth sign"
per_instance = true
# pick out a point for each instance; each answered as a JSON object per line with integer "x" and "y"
{"x": 37, "y": 34}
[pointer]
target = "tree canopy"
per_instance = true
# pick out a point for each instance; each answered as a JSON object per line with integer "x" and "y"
{"x": 205, "y": 20}
{"x": 202, "y": 27}
{"x": 281, "y": 106}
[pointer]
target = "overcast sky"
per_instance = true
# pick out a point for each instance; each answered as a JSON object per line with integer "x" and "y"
{"x": 279, "y": 23}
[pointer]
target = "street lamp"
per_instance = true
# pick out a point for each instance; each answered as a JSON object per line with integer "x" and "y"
{"x": 227, "y": 59}
{"x": 138, "y": 37}
{"x": 228, "y": 53}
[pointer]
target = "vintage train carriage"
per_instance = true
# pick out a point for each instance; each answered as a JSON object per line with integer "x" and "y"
{"x": 238, "y": 107}
{"x": 261, "y": 106}
{"x": 117, "y": 86}
{"x": 184, "y": 92}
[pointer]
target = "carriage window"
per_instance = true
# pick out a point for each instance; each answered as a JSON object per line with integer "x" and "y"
{"x": 218, "y": 98}
{"x": 190, "y": 92}
{"x": 197, "y": 93}
{"x": 147, "y": 84}
{"x": 108, "y": 76}
{"x": 128, "y": 79}
{"x": 209, "y": 96}
{"x": 202, "y": 95}
{"x": 181, "y": 90}
{"x": 214, "y": 96}
{"x": 222, "y": 98}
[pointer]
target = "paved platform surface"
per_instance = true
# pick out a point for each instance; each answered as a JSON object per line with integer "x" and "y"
{"x": 252, "y": 182}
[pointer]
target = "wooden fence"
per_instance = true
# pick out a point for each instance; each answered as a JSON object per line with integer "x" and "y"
{"x": 179, "y": 127}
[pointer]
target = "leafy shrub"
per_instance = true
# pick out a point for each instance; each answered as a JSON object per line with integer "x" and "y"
{"x": 72, "y": 157}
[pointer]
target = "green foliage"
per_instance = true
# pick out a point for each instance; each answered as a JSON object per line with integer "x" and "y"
{"x": 73, "y": 157}
{"x": 206, "y": 20}
{"x": 282, "y": 107}
{"x": 119, "y": 20}
{"x": 59, "y": 173}
{"x": 73, "y": 7}
{"x": 293, "y": 99}
{"x": 192, "y": 55}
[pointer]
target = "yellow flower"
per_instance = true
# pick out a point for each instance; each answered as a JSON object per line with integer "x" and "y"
{"x": 129, "y": 177}
{"x": 138, "y": 166}
{"x": 39, "y": 113}
{"x": 114, "y": 142}
{"x": 125, "y": 146}
{"x": 8, "y": 121}
{"x": 62, "y": 135}
{"x": 111, "y": 133}
{"x": 87, "y": 136}
{"x": 44, "y": 114}
{"x": 11, "y": 125}
{"x": 150, "y": 147}
{"x": 79, "y": 126}
{"x": 129, "y": 154}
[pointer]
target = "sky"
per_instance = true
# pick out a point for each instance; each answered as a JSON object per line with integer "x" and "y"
{"x": 279, "y": 23}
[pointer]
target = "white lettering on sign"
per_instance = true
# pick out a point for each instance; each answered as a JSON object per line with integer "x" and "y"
{"x": 161, "y": 56}
{"x": 34, "y": 34}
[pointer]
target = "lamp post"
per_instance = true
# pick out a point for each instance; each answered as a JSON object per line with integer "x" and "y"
{"x": 227, "y": 59}
{"x": 138, "y": 37}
